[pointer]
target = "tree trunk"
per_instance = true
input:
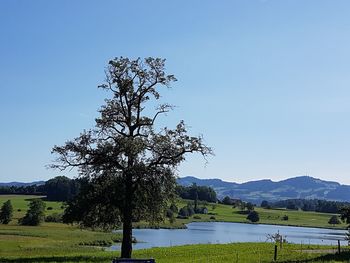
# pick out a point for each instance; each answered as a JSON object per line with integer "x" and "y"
{"x": 127, "y": 233}
{"x": 127, "y": 218}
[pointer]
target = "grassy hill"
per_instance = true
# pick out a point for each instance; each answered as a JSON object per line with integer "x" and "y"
{"x": 56, "y": 242}
{"x": 302, "y": 187}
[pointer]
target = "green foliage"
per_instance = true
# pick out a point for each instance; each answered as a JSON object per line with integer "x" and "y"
{"x": 203, "y": 193}
{"x": 35, "y": 214}
{"x": 250, "y": 206}
{"x": 227, "y": 200}
{"x": 285, "y": 217}
{"x": 169, "y": 213}
{"x": 61, "y": 188}
{"x": 253, "y": 216}
{"x": 316, "y": 205}
{"x": 345, "y": 214}
{"x": 55, "y": 218}
{"x": 6, "y": 212}
{"x": 334, "y": 220}
{"x": 174, "y": 208}
{"x": 264, "y": 204}
{"x": 128, "y": 161}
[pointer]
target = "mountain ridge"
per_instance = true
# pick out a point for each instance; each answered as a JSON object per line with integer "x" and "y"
{"x": 305, "y": 187}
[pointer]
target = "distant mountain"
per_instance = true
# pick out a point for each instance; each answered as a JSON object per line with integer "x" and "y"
{"x": 18, "y": 184}
{"x": 304, "y": 187}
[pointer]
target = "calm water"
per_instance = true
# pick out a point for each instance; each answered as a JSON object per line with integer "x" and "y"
{"x": 221, "y": 233}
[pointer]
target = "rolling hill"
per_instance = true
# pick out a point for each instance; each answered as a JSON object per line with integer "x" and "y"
{"x": 304, "y": 187}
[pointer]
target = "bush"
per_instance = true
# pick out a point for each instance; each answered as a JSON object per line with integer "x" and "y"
{"x": 169, "y": 213}
{"x": 285, "y": 218}
{"x": 55, "y": 218}
{"x": 197, "y": 217}
{"x": 49, "y": 208}
{"x": 334, "y": 220}
{"x": 174, "y": 208}
{"x": 253, "y": 216}
{"x": 182, "y": 217}
{"x": 183, "y": 212}
{"x": 19, "y": 210}
{"x": 212, "y": 218}
{"x": 35, "y": 214}
{"x": 6, "y": 212}
{"x": 264, "y": 204}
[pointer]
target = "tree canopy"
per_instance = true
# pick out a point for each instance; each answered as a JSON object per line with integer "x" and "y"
{"x": 128, "y": 164}
{"x": 6, "y": 212}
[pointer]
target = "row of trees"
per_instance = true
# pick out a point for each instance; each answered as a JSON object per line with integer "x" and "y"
{"x": 34, "y": 216}
{"x": 195, "y": 192}
{"x": 60, "y": 188}
{"x": 316, "y": 205}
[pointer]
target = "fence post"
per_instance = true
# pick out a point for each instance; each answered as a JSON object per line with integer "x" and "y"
{"x": 275, "y": 256}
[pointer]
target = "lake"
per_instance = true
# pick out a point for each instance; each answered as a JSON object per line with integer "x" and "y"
{"x": 221, "y": 233}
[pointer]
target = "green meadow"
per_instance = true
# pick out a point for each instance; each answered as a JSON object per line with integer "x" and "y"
{"x": 56, "y": 242}
{"x": 225, "y": 213}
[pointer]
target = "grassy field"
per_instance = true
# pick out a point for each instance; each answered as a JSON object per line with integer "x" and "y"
{"x": 237, "y": 252}
{"x": 48, "y": 239}
{"x": 55, "y": 242}
{"x": 225, "y": 213}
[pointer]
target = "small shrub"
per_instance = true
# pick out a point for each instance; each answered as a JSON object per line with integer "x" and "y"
{"x": 212, "y": 218}
{"x": 55, "y": 218}
{"x": 253, "y": 216}
{"x": 285, "y": 218}
{"x": 35, "y": 214}
{"x": 182, "y": 217}
{"x": 334, "y": 220}
{"x": 49, "y": 208}
{"x": 169, "y": 213}
{"x": 19, "y": 210}
{"x": 6, "y": 212}
{"x": 197, "y": 217}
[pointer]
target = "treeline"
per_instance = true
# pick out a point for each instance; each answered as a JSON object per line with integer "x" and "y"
{"x": 316, "y": 205}
{"x": 195, "y": 192}
{"x": 60, "y": 188}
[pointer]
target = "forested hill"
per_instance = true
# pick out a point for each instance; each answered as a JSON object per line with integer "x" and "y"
{"x": 302, "y": 187}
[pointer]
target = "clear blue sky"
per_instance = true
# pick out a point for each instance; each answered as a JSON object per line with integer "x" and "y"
{"x": 266, "y": 82}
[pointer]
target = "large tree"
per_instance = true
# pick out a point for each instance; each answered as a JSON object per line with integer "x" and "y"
{"x": 128, "y": 165}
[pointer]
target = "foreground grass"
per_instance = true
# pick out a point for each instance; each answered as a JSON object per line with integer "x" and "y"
{"x": 54, "y": 242}
{"x": 237, "y": 252}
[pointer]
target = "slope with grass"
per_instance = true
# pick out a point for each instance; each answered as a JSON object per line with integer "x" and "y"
{"x": 225, "y": 213}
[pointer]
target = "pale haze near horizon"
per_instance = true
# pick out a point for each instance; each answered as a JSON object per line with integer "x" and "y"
{"x": 265, "y": 82}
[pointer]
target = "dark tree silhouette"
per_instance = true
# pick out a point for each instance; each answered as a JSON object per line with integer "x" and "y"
{"x": 6, "y": 212}
{"x": 35, "y": 214}
{"x": 253, "y": 216}
{"x": 125, "y": 153}
{"x": 334, "y": 220}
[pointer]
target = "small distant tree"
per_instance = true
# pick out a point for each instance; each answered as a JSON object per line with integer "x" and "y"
{"x": 6, "y": 212}
{"x": 264, "y": 204}
{"x": 174, "y": 208}
{"x": 243, "y": 206}
{"x": 334, "y": 220}
{"x": 35, "y": 214}
{"x": 253, "y": 216}
{"x": 285, "y": 218}
{"x": 184, "y": 212}
{"x": 250, "y": 206}
{"x": 345, "y": 214}
{"x": 227, "y": 200}
{"x": 169, "y": 213}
